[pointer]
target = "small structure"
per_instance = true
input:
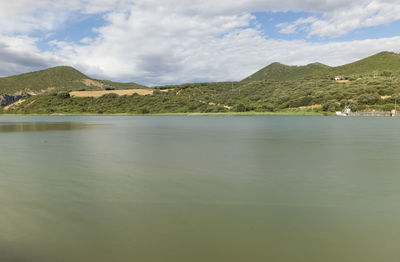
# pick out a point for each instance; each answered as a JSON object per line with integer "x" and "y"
{"x": 346, "y": 112}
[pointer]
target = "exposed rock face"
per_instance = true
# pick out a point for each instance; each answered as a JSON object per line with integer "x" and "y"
{"x": 6, "y": 100}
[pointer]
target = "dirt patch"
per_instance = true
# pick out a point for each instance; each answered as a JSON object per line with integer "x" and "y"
{"x": 385, "y": 97}
{"x": 310, "y": 107}
{"x": 117, "y": 92}
{"x": 214, "y": 104}
{"x": 14, "y": 104}
{"x": 90, "y": 82}
{"x": 342, "y": 81}
{"x": 39, "y": 92}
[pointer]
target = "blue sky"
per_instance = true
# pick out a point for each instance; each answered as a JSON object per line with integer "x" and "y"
{"x": 78, "y": 27}
{"x": 270, "y": 20}
{"x": 169, "y": 41}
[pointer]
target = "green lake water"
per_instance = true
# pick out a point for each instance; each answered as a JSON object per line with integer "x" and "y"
{"x": 188, "y": 189}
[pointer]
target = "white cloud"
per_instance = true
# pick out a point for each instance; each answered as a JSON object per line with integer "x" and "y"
{"x": 26, "y": 15}
{"x": 344, "y": 19}
{"x": 155, "y": 46}
{"x": 174, "y": 41}
{"x": 20, "y": 54}
{"x": 298, "y": 25}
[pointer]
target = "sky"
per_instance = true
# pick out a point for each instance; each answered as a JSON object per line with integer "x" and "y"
{"x": 157, "y": 42}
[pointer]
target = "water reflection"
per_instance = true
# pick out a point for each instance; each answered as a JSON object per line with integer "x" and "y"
{"x": 10, "y": 253}
{"x": 199, "y": 189}
{"x": 6, "y": 127}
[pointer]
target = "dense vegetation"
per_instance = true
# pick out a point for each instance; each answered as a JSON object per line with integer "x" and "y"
{"x": 258, "y": 96}
{"x": 372, "y": 84}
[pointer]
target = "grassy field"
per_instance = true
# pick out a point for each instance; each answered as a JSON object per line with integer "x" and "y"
{"x": 97, "y": 94}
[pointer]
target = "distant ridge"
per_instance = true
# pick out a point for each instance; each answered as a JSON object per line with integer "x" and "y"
{"x": 59, "y": 78}
{"x": 66, "y": 78}
{"x": 384, "y": 61}
{"x": 280, "y": 72}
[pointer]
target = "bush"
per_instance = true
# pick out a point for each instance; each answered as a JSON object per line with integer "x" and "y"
{"x": 240, "y": 108}
{"x": 144, "y": 111}
{"x": 268, "y": 108}
{"x": 255, "y": 97}
{"x": 63, "y": 95}
{"x": 331, "y": 106}
{"x": 354, "y": 107}
{"x": 368, "y": 99}
{"x": 109, "y": 96}
{"x": 388, "y": 107}
{"x": 192, "y": 108}
{"x": 386, "y": 73}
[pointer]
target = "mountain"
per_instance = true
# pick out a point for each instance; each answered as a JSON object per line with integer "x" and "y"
{"x": 384, "y": 62}
{"x": 280, "y": 72}
{"x": 60, "y": 78}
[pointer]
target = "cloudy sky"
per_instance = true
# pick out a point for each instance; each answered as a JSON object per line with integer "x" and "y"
{"x": 176, "y": 41}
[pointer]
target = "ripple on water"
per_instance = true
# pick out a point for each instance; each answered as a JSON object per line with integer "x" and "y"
{"x": 7, "y": 127}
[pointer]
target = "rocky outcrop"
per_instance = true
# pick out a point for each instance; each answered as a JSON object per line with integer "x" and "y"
{"x": 6, "y": 100}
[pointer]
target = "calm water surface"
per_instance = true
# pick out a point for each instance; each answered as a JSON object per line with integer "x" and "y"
{"x": 184, "y": 189}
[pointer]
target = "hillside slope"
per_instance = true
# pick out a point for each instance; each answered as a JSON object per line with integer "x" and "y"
{"x": 379, "y": 64}
{"x": 60, "y": 78}
{"x": 280, "y": 72}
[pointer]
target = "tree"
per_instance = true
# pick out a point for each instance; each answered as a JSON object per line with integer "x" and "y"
{"x": 240, "y": 108}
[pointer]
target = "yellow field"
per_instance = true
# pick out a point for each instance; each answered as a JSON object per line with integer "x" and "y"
{"x": 118, "y": 92}
{"x": 310, "y": 107}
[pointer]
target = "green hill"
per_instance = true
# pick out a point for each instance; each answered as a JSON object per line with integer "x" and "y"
{"x": 373, "y": 84}
{"x": 383, "y": 63}
{"x": 60, "y": 78}
{"x": 280, "y": 72}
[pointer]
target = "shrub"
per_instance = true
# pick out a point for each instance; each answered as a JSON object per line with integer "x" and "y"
{"x": 144, "y": 111}
{"x": 63, "y": 95}
{"x": 109, "y": 96}
{"x": 331, "y": 106}
{"x": 240, "y": 108}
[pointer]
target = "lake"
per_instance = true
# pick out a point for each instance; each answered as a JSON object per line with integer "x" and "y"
{"x": 183, "y": 189}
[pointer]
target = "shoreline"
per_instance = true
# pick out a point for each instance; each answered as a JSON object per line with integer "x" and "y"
{"x": 187, "y": 114}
